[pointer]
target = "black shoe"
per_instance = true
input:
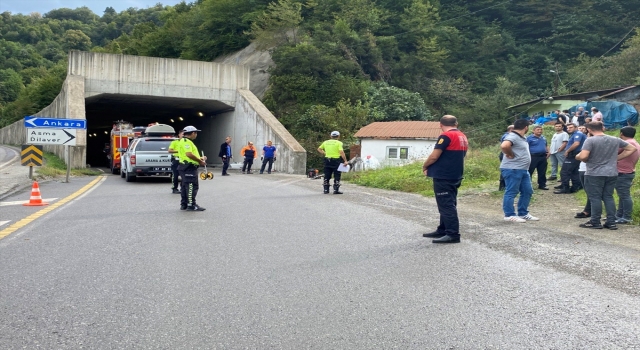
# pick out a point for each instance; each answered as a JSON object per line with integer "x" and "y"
{"x": 261, "y": 173}
{"x": 552, "y": 178}
{"x": 557, "y": 187}
{"x": 543, "y": 188}
{"x": 434, "y": 234}
{"x": 610, "y": 226}
{"x": 248, "y": 172}
{"x": 582, "y": 215}
{"x": 447, "y": 239}
{"x": 337, "y": 192}
{"x": 183, "y": 207}
{"x": 195, "y": 208}
{"x": 225, "y": 174}
{"x": 561, "y": 192}
{"x": 590, "y": 224}
{"x": 243, "y": 172}
{"x": 176, "y": 191}
{"x": 574, "y": 190}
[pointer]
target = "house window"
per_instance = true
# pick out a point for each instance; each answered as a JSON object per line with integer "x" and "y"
{"x": 398, "y": 153}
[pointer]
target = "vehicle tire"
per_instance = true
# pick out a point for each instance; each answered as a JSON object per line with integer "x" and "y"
{"x": 129, "y": 177}
{"x": 122, "y": 174}
{"x": 114, "y": 170}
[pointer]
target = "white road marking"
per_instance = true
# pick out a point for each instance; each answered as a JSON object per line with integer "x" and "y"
{"x": 46, "y": 200}
{"x": 4, "y": 222}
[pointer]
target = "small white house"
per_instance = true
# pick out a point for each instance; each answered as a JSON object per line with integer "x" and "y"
{"x": 396, "y": 143}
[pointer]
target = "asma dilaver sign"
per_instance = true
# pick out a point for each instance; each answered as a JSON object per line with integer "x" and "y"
{"x": 48, "y": 136}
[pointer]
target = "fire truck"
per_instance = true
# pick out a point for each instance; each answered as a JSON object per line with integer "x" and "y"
{"x": 121, "y": 133}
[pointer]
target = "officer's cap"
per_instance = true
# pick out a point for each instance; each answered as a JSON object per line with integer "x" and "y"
{"x": 335, "y": 133}
{"x": 190, "y": 128}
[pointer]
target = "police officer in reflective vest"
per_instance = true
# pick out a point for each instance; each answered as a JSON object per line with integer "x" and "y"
{"x": 175, "y": 162}
{"x": 188, "y": 168}
{"x": 333, "y": 154}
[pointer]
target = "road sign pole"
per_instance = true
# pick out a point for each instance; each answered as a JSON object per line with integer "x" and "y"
{"x": 68, "y": 162}
{"x": 30, "y": 172}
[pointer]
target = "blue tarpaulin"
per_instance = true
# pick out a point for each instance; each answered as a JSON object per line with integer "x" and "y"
{"x": 615, "y": 114}
{"x": 543, "y": 120}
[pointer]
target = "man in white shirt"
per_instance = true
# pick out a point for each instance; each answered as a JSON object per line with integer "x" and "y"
{"x": 574, "y": 119}
{"x": 556, "y": 150}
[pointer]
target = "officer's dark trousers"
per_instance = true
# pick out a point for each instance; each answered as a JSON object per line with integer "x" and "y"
{"x": 539, "y": 162}
{"x": 331, "y": 168}
{"x": 446, "y": 192}
{"x": 248, "y": 162}
{"x": 225, "y": 164}
{"x": 264, "y": 163}
{"x": 570, "y": 172}
{"x": 189, "y": 190}
{"x": 174, "y": 173}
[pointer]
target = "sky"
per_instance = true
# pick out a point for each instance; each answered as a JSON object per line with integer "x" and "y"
{"x": 97, "y": 6}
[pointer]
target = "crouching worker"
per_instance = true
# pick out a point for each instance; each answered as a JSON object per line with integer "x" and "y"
{"x": 188, "y": 168}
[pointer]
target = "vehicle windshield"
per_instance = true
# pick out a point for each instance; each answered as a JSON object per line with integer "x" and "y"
{"x": 153, "y": 145}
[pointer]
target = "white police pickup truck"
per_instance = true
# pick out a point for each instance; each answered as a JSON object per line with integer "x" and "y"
{"x": 148, "y": 154}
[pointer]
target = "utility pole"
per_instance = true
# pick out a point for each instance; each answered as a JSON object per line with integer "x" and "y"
{"x": 556, "y": 82}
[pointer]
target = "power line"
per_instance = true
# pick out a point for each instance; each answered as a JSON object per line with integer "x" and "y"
{"x": 602, "y": 56}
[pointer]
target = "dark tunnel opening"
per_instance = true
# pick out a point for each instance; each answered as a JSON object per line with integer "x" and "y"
{"x": 102, "y": 111}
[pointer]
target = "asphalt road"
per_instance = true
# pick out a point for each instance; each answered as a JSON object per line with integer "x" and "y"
{"x": 6, "y": 155}
{"x": 275, "y": 264}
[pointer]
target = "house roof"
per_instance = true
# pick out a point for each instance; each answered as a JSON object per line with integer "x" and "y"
{"x": 616, "y": 92}
{"x": 400, "y": 130}
{"x": 583, "y": 96}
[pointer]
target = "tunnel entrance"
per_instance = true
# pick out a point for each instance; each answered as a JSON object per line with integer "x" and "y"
{"x": 104, "y": 109}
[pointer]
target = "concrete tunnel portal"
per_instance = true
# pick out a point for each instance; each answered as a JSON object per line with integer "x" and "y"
{"x": 214, "y": 97}
{"x": 102, "y": 111}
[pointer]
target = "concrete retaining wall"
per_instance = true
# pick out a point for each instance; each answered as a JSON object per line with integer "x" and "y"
{"x": 254, "y": 122}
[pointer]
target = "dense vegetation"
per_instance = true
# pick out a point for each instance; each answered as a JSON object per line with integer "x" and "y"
{"x": 341, "y": 64}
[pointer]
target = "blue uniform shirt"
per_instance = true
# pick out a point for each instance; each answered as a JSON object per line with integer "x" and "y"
{"x": 576, "y": 136}
{"x": 537, "y": 144}
{"x": 269, "y": 151}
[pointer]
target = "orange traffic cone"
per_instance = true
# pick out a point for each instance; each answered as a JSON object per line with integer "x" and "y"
{"x": 36, "y": 199}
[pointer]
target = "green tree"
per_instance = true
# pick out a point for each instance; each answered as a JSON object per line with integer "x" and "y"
{"x": 76, "y": 40}
{"x": 278, "y": 25}
{"x": 396, "y": 104}
{"x": 10, "y": 85}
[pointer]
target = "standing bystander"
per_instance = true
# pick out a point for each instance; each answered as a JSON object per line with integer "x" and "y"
{"x": 600, "y": 152}
{"x": 515, "y": 170}
{"x": 626, "y": 173}
{"x": 225, "y": 154}
{"x": 556, "y": 151}
{"x": 445, "y": 165}
{"x": 249, "y": 152}
{"x": 268, "y": 156}
{"x": 596, "y": 115}
{"x": 509, "y": 129}
{"x": 539, "y": 153}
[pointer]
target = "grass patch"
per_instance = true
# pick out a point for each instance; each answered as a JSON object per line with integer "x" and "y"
{"x": 54, "y": 166}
